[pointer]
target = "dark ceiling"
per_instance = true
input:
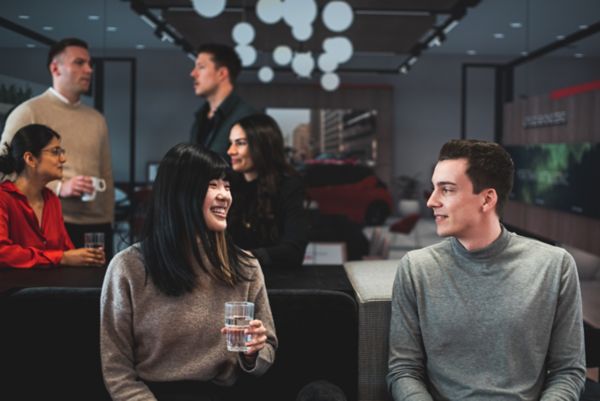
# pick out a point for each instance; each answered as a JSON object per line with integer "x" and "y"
{"x": 389, "y": 28}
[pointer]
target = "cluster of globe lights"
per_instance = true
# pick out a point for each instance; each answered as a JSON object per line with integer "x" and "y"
{"x": 299, "y": 15}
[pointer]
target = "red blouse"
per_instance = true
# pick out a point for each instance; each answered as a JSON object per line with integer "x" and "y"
{"x": 23, "y": 243}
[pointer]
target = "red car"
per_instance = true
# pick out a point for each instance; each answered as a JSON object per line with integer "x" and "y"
{"x": 351, "y": 190}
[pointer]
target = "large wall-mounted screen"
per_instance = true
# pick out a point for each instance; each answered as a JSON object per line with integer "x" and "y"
{"x": 564, "y": 176}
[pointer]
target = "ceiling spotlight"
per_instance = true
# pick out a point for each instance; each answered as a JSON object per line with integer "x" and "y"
{"x": 498, "y": 35}
{"x": 578, "y": 55}
{"x": 330, "y": 81}
{"x": 30, "y": 45}
{"x": 243, "y": 33}
{"x": 209, "y": 9}
{"x": 269, "y": 11}
{"x": 404, "y": 69}
{"x": 524, "y": 53}
{"x": 583, "y": 26}
{"x": 560, "y": 37}
{"x": 140, "y": 47}
{"x": 337, "y": 16}
{"x": 266, "y": 74}
{"x": 48, "y": 28}
{"x": 516, "y": 25}
{"x": 471, "y": 52}
{"x": 411, "y": 61}
{"x": 111, "y": 29}
{"x": 23, "y": 16}
{"x": 93, "y": 17}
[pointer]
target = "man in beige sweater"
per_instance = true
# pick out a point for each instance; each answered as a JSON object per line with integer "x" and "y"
{"x": 84, "y": 135}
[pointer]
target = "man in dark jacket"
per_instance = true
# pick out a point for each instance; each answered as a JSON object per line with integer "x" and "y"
{"x": 216, "y": 68}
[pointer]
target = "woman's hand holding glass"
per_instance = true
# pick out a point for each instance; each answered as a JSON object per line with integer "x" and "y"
{"x": 258, "y": 338}
{"x": 84, "y": 257}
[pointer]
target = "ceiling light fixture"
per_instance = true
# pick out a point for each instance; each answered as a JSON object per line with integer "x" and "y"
{"x": 498, "y": 35}
{"x": 23, "y": 16}
{"x": 269, "y": 11}
{"x": 30, "y": 45}
{"x": 93, "y": 17}
{"x": 516, "y": 25}
{"x": 450, "y": 27}
{"x": 282, "y": 55}
{"x": 560, "y": 37}
{"x": 140, "y": 47}
{"x": 436, "y": 41}
{"x": 243, "y": 33}
{"x": 148, "y": 21}
{"x": 471, "y": 52}
{"x": 209, "y": 9}
{"x": 403, "y": 69}
{"x": 578, "y": 55}
{"x": 48, "y": 28}
{"x": 111, "y": 29}
{"x": 266, "y": 74}
{"x": 330, "y": 81}
{"x": 337, "y": 16}
{"x": 583, "y": 26}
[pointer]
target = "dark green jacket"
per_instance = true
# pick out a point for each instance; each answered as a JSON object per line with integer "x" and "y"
{"x": 214, "y": 134}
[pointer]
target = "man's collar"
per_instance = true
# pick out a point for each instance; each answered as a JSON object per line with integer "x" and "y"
{"x": 62, "y": 98}
{"x": 228, "y": 104}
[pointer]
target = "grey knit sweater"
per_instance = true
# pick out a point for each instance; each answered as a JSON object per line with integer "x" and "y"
{"x": 500, "y": 323}
{"x": 149, "y": 336}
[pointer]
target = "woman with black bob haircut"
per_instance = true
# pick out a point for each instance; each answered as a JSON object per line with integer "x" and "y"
{"x": 32, "y": 229}
{"x": 268, "y": 217}
{"x": 162, "y": 304}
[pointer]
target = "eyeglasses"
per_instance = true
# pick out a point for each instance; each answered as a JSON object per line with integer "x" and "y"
{"x": 57, "y": 151}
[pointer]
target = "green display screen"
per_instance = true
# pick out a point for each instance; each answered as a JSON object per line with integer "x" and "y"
{"x": 563, "y": 176}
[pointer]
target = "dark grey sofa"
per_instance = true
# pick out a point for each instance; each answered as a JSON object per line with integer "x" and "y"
{"x": 49, "y": 344}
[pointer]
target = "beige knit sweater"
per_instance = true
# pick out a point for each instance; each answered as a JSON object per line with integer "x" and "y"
{"x": 84, "y": 135}
{"x": 149, "y": 336}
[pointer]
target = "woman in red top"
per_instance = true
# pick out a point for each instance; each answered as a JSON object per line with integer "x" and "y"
{"x": 32, "y": 230}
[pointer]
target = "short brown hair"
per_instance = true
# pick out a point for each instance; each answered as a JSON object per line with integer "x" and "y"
{"x": 489, "y": 166}
{"x": 223, "y": 56}
{"x": 61, "y": 45}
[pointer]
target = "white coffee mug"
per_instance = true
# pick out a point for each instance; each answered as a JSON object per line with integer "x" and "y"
{"x": 99, "y": 185}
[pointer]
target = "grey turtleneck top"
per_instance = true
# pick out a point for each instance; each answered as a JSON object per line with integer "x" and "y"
{"x": 500, "y": 323}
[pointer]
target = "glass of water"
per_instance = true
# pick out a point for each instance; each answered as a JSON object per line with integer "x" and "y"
{"x": 93, "y": 240}
{"x": 237, "y": 319}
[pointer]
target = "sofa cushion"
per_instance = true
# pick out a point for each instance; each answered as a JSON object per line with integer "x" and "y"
{"x": 373, "y": 281}
{"x": 588, "y": 264}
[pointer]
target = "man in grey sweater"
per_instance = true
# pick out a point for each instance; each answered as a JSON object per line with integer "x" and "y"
{"x": 485, "y": 314}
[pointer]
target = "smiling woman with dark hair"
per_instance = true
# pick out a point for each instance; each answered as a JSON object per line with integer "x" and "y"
{"x": 269, "y": 217}
{"x": 32, "y": 230}
{"x": 162, "y": 305}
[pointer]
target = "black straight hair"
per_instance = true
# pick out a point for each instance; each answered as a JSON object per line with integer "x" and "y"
{"x": 30, "y": 138}
{"x": 175, "y": 236}
{"x": 61, "y": 45}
